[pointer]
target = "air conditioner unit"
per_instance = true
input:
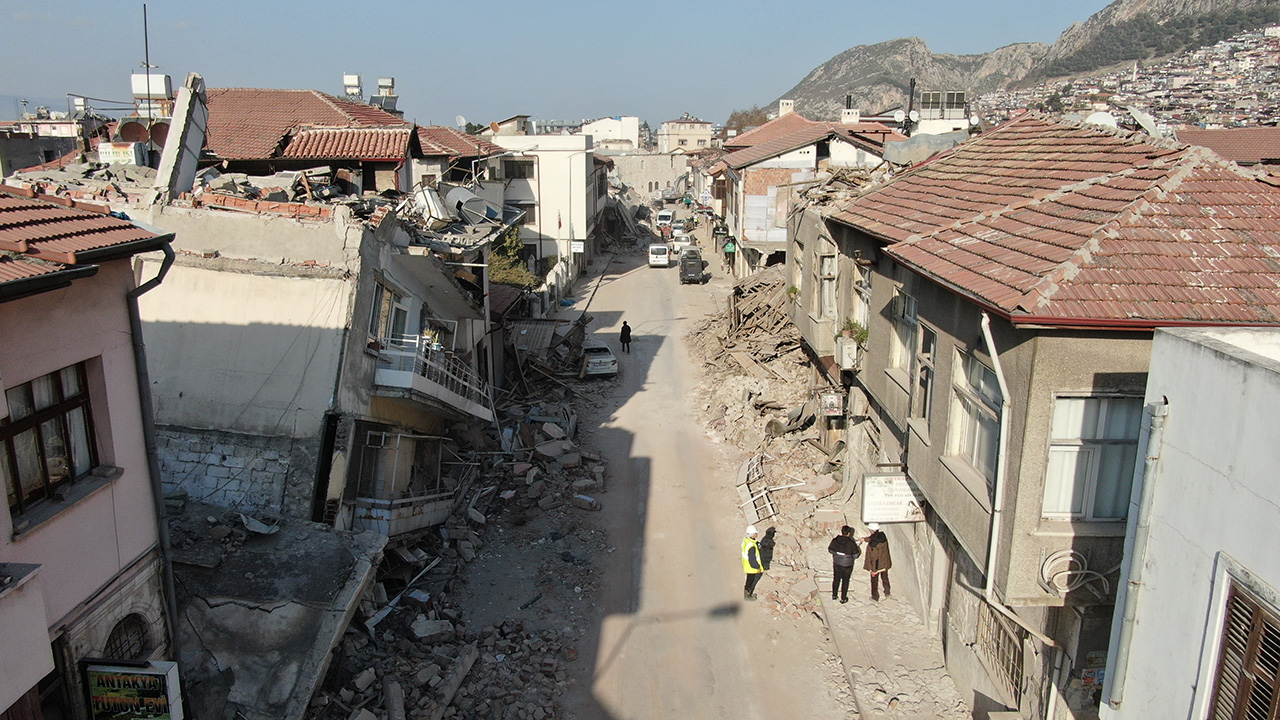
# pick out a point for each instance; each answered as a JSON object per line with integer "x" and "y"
{"x": 848, "y": 354}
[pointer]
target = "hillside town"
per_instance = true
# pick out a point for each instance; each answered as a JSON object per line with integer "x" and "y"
{"x": 956, "y": 410}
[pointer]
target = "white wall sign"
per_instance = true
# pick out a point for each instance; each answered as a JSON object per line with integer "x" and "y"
{"x": 891, "y": 497}
{"x": 578, "y": 246}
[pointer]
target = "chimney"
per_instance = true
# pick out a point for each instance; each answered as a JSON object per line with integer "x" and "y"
{"x": 850, "y": 116}
{"x": 786, "y": 107}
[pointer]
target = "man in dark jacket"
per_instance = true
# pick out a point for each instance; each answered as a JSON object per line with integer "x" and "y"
{"x": 878, "y": 561}
{"x": 767, "y": 543}
{"x": 624, "y": 337}
{"x": 844, "y": 550}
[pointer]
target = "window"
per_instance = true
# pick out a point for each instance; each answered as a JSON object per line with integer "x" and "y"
{"x": 930, "y": 101}
{"x": 904, "y": 330}
{"x": 128, "y": 640}
{"x": 517, "y": 169}
{"x": 1093, "y": 445}
{"x": 683, "y": 141}
{"x": 827, "y": 282}
{"x": 975, "y": 415}
{"x": 1249, "y": 668}
{"x": 47, "y": 441}
{"x": 922, "y": 398}
{"x": 702, "y": 143}
{"x": 390, "y": 314}
{"x": 530, "y": 214}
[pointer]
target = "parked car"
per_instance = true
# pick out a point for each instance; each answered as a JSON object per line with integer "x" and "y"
{"x": 659, "y": 255}
{"x": 598, "y": 360}
{"x": 691, "y": 267}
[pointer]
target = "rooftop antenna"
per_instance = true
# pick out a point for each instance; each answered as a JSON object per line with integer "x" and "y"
{"x": 146, "y": 68}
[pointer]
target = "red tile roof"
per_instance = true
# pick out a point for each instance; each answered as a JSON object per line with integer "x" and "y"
{"x": 42, "y": 236}
{"x": 1242, "y": 145}
{"x": 349, "y": 144}
{"x": 775, "y": 128}
{"x": 1049, "y": 223}
{"x": 777, "y": 146}
{"x": 441, "y": 140}
{"x": 251, "y": 123}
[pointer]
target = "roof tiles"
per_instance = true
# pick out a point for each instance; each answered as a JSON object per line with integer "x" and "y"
{"x": 1054, "y": 222}
{"x": 441, "y": 140}
{"x": 252, "y": 123}
{"x": 1242, "y": 145}
{"x": 350, "y": 143}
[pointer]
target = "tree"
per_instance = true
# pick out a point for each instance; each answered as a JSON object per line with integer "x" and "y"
{"x": 740, "y": 120}
{"x": 506, "y": 263}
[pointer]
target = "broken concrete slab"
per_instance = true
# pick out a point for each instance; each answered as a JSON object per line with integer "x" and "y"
{"x": 365, "y": 679}
{"x": 458, "y": 673}
{"x": 432, "y": 631}
{"x": 584, "y": 502}
{"x": 571, "y": 460}
{"x": 551, "y": 448}
{"x": 553, "y": 431}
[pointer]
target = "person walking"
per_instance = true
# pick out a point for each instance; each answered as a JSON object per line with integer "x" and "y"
{"x": 767, "y": 544}
{"x": 751, "y": 563}
{"x": 877, "y": 560}
{"x": 844, "y": 551}
{"x": 624, "y": 337}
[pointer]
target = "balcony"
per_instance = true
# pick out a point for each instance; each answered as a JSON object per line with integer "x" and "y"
{"x": 428, "y": 373}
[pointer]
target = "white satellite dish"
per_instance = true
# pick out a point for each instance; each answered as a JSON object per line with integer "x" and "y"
{"x": 461, "y": 121}
{"x": 913, "y": 115}
{"x": 1104, "y": 119}
{"x": 899, "y": 116}
{"x": 974, "y": 120}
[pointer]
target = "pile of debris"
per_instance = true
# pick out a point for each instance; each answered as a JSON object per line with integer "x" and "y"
{"x": 89, "y": 179}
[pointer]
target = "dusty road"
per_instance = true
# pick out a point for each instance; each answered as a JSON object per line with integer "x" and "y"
{"x": 673, "y": 637}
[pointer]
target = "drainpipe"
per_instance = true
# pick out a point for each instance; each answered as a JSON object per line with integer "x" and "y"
{"x": 149, "y": 438}
{"x": 1135, "y": 552}
{"x": 997, "y": 508}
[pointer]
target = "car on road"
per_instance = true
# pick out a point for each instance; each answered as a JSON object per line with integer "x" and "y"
{"x": 659, "y": 255}
{"x": 679, "y": 242}
{"x": 666, "y": 217}
{"x": 691, "y": 267}
{"x": 598, "y": 360}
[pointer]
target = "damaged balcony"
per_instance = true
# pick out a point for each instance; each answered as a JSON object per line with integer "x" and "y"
{"x": 404, "y": 483}
{"x": 416, "y": 367}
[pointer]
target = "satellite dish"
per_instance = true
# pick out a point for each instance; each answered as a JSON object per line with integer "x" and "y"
{"x": 493, "y": 125}
{"x": 1104, "y": 119}
{"x": 913, "y": 115}
{"x": 899, "y": 116}
{"x": 461, "y": 121}
{"x": 974, "y": 120}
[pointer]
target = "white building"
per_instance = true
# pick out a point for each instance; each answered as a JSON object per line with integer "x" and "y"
{"x": 552, "y": 178}
{"x": 614, "y": 133}
{"x": 684, "y": 134}
{"x": 1199, "y": 635}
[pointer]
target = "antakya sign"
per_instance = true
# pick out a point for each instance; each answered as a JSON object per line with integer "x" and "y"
{"x": 145, "y": 692}
{"x": 891, "y": 497}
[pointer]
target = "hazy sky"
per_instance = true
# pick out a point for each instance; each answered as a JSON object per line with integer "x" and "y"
{"x": 553, "y": 59}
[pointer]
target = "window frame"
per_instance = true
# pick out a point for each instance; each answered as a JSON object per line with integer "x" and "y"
{"x": 1243, "y": 663}
{"x": 906, "y": 330}
{"x": 925, "y": 377}
{"x": 827, "y": 274}
{"x": 1092, "y": 450}
{"x": 961, "y": 437}
{"x": 519, "y": 169}
{"x": 60, "y": 410}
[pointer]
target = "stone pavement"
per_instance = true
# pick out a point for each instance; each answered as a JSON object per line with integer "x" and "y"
{"x": 894, "y": 665}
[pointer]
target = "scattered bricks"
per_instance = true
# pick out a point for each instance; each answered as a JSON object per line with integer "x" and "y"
{"x": 590, "y": 455}
{"x": 553, "y": 431}
{"x": 466, "y": 551}
{"x": 570, "y": 654}
{"x": 365, "y": 679}
{"x": 571, "y": 460}
{"x": 535, "y": 490}
{"x": 548, "y": 666}
{"x": 432, "y": 631}
{"x": 550, "y": 502}
{"x": 584, "y": 484}
{"x": 346, "y": 695}
{"x": 393, "y": 699}
{"x": 550, "y": 449}
{"x": 584, "y": 502}
{"x": 532, "y": 477}
{"x": 219, "y": 532}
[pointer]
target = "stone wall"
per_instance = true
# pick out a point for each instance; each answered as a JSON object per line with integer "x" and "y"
{"x": 254, "y": 473}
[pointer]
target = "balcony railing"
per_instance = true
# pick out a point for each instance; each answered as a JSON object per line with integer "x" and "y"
{"x": 415, "y": 363}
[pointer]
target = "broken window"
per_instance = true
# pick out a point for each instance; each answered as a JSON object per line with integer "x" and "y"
{"x": 922, "y": 395}
{"x": 975, "y": 415}
{"x": 1249, "y": 667}
{"x": 390, "y": 314}
{"x": 827, "y": 282}
{"x": 391, "y": 465}
{"x": 1092, "y": 449}
{"x": 47, "y": 440}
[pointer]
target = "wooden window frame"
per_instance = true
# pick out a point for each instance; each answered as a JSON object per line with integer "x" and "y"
{"x": 60, "y": 410}
{"x": 1238, "y": 671}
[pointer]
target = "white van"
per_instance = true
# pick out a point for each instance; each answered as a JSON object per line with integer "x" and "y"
{"x": 659, "y": 255}
{"x": 666, "y": 217}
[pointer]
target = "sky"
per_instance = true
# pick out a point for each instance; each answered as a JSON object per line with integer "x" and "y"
{"x": 489, "y": 60}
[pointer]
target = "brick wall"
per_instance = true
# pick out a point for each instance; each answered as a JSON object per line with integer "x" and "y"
{"x": 255, "y": 473}
{"x": 758, "y": 181}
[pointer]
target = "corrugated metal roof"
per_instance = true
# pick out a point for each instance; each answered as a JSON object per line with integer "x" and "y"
{"x": 1053, "y": 221}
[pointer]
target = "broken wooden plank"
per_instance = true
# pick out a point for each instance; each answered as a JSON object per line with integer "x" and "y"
{"x": 750, "y": 365}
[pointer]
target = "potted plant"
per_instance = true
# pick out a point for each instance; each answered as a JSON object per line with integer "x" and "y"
{"x": 793, "y": 292}
{"x": 855, "y": 331}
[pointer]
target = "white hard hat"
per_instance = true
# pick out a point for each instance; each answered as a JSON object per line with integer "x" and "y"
{"x": 751, "y": 530}
{"x": 873, "y": 527}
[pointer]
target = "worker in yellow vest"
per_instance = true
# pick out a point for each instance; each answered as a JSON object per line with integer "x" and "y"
{"x": 751, "y": 564}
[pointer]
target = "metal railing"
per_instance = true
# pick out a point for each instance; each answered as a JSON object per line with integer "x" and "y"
{"x": 415, "y": 354}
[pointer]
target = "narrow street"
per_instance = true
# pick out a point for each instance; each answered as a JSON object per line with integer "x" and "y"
{"x": 675, "y": 638}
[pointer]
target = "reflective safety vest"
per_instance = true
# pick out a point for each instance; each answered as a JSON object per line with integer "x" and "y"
{"x": 747, "y": 545}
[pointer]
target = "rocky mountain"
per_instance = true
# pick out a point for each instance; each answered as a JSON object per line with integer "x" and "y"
{"x": 878, "y": 76}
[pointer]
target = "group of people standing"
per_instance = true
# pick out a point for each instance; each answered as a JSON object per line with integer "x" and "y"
{"x": 844, "y": 549}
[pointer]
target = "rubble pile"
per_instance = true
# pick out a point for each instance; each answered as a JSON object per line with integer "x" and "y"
{"x": 89, "y": 179}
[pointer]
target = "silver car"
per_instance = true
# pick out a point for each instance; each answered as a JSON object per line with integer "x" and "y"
{"x": 598, "y": 360}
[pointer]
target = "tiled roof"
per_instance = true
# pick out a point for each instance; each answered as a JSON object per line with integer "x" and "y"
{"x": 441, "y": 140}
{"x": 1055, "y": 223}
{"x": 45, "y": 240}
{"x": 350, "y": 143}
{"x": 251, "y": 123}
{"x": 775, "y": 128}
{"x": 777, "y": 146}
{"x": 1242, "y": 145}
